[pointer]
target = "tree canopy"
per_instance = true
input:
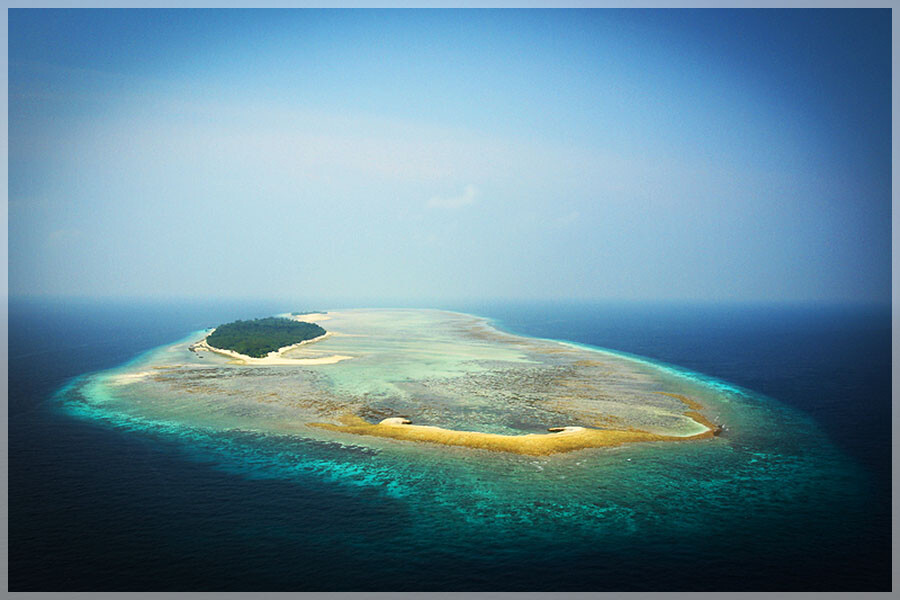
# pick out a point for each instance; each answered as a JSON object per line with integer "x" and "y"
{"x": 258, "y": 337}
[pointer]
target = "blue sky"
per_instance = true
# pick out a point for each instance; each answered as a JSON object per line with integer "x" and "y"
{"x": 646, "y": 155}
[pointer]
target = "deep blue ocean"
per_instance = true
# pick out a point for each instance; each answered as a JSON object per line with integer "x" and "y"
{"x": 97, "y": 508}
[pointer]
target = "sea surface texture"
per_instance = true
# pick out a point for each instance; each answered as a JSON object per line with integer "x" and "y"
{"x": 137, "y": 463}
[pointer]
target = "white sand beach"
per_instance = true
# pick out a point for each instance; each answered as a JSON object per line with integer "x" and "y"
{"x": 276, "y": 357}
{"x": 311, "y": 317}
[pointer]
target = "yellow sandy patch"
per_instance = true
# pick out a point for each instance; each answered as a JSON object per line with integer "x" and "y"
{"x": 560, "y": 439}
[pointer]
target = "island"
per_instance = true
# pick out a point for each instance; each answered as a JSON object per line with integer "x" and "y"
{"x": 258, "y": 337}
{"x": 461, "y": 380}
{"x": 266, "y": 341}
{"x": 451, "y": 419}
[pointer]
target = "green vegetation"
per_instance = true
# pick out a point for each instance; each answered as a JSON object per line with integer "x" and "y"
{"x": 258, "y": 337}
{"x": 308, "y": 312}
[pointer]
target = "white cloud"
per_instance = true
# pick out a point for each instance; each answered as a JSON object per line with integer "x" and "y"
{"x": 469, "y": 196}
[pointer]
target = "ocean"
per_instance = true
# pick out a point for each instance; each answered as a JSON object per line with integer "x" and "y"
{"x": 95, "y": 505}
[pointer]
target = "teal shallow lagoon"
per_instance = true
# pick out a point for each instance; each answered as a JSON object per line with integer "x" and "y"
{"x": 438, "y": 368}
{"x": 123, "y": 497}
{"x": 771, "y": 464}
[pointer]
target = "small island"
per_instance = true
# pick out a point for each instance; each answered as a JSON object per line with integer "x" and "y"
{"x": 269, "y": 341}
{"x": 258, "y": 337}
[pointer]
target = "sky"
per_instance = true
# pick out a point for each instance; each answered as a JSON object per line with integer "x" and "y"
{"x": 700, "y": 155}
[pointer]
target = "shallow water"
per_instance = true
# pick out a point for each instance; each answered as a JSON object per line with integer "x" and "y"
{"x": 724, "y": 513}
{"x": 437, "y": 368}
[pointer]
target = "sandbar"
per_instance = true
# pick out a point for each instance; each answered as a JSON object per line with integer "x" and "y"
{"x": 560, "y": 439}
{"x": 310, "y": 317}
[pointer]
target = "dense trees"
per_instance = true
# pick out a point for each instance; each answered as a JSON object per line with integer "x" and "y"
{"x": 258, "y": 337}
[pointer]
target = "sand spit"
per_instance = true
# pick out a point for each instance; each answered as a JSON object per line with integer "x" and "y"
{"x": 310, "y": 318}
{"x": 276, "y": 357}
{"x": 560, "y": 439}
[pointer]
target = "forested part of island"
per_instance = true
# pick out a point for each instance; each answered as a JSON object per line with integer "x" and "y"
{"x": 308, "y": 312}
{"x": 258, "y": 337}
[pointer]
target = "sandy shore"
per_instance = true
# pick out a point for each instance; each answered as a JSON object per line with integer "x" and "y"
{"x": 310, "y": 318}
{"x": 276, "y": 357}
{"x": 560, "y": 439}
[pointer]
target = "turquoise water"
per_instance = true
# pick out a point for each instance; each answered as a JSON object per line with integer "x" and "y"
{"x": 770, "y": 461}
{"x": 723, "y": 513}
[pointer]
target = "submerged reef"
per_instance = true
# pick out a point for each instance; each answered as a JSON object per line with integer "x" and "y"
{"x": 462, "y": 381}
{"x": 445, "y": 432}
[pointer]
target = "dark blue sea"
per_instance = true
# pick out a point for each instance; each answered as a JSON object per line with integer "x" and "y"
{"x": 94, "y": 507}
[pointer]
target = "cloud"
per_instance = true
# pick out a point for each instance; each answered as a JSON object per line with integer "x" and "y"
{"x": 468, "y": 196}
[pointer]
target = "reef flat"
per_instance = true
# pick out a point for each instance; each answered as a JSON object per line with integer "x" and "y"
{"x": 424, "y": 376}
{"x": 559, "y": 439}
{"x": 475, "y": 476}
